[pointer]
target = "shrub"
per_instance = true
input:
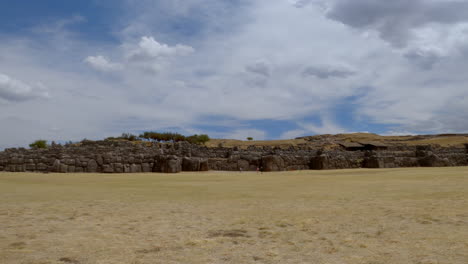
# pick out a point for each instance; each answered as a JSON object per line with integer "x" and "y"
{"x": 129, "y": 137}
{"x": 198, "y": 139}
{"x": 203, "y": 138}
{"x": 39, "y": 144}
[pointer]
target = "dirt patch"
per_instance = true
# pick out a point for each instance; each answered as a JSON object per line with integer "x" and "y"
{"x": 17, "y": 245}
{"x": 228, "y": 233}
{"x": 149, "y": 250}
{"x": 69, "y": 260}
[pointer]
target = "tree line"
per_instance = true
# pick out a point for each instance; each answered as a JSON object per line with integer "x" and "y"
{"x": 164, "y": 137}
{"x": 151, "y": 136}
{"x": 174, "y": 137}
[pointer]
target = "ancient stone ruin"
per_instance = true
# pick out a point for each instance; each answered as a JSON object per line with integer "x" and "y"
{"x": 131, "y": 157}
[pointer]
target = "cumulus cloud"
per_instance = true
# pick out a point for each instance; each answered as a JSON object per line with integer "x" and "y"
{"x": 13, "y": 90}
{"x": 396, "y": 20}
{"x": 147, "y": 55}
{"x": 100, "y": 63}
{"x": 150, "y": 49}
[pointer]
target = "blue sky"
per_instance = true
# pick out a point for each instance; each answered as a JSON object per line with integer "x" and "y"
{"x": 18, "y": 17}
{"x": 231, "y": 68}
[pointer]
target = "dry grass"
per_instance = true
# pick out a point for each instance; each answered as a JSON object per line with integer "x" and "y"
{"x": 229, "y": 143}
{"x": 351, "y": 216}
{"x": 449, "y": 140}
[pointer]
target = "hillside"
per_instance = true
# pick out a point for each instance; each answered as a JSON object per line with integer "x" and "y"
{"x": 330, "y": 140}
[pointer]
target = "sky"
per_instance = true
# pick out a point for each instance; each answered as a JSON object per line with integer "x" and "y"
{"x": 265, "y": 69}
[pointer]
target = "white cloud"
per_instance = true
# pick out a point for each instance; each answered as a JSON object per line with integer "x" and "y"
{"x": 242, "y": 134}
{"x": 100, "y": 63}
{"x": 326, "y": 127}
{"x": 146, "y": 56}
{"x": 294, "y": 133}
{"x": 16, "y": 91}
{"x": 149, "y": 49}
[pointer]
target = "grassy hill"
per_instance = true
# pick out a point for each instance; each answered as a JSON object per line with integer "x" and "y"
{"x": 443, "y": 140}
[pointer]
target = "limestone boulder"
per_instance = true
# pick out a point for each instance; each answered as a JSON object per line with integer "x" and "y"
{"x": 320, "y": 162}
{"x": 190, "y": 164}
{"x": 204, "y": 165}
{"x": 433, "y": 161}
{"x": 135, "y": 168}
{"x": 273, "y": 163}
{"x": 92, "y": 166}
{"x": 107, "y": 168}
{"x": 373, "y": 162}
{"x": 170, "y": 164}
{"x": 146, "y": 167}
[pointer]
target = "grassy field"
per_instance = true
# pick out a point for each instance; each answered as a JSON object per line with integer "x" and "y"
{"x": 393, "y": 216}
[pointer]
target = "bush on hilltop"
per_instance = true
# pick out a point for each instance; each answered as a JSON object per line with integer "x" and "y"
{"x": 39, "y": 144}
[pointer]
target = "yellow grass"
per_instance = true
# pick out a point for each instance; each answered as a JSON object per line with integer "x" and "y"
{"x": 363, "y": 216}
{"x": 229, "y": 143}
{"x": 454, "y": 140}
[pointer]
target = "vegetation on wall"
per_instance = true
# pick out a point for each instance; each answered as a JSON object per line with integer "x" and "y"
{"x": 39, "y": 144}
{"x": 174, "y": 137}
{"x": 163, "y": 137}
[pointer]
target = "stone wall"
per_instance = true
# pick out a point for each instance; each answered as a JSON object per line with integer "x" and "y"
{"x": 128, "y": 157}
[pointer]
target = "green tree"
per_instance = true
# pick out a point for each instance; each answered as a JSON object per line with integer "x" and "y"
{"x": 203, "y": 138}
{"x": 39, "y": 144}
{"x": 250, "y": 138}
{"x": 129, "y": 137}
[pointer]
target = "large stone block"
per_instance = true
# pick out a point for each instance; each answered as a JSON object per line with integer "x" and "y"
{"x": 373, "y": 163}
{"x": 99, "y": 160}
{"x": 20, "y": 168}
{"x": 118, "y": 168}
{"x": 146, "y": 167}
{"x": 92, "y": 166}
{"x": 56, "y": 166}
{"x": 433, "y": 161}
{"x": 243, "y": 165}
{"x": 70, "y": 162}
{"x": 320, "y": 162}
{"x": 107, "y": 168}
{"x": 41, "y": 167}
{"x": 204, "y": 165}
{"x": 10, "y": 168}
{"x": 63, "y": 168}
{"x": 30, "y": 167}
{"x": 170, "y": 164}
{"x": 135, "y": 168}
{"x": 190, "y": 164}
{"x": 273, "y": 163}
